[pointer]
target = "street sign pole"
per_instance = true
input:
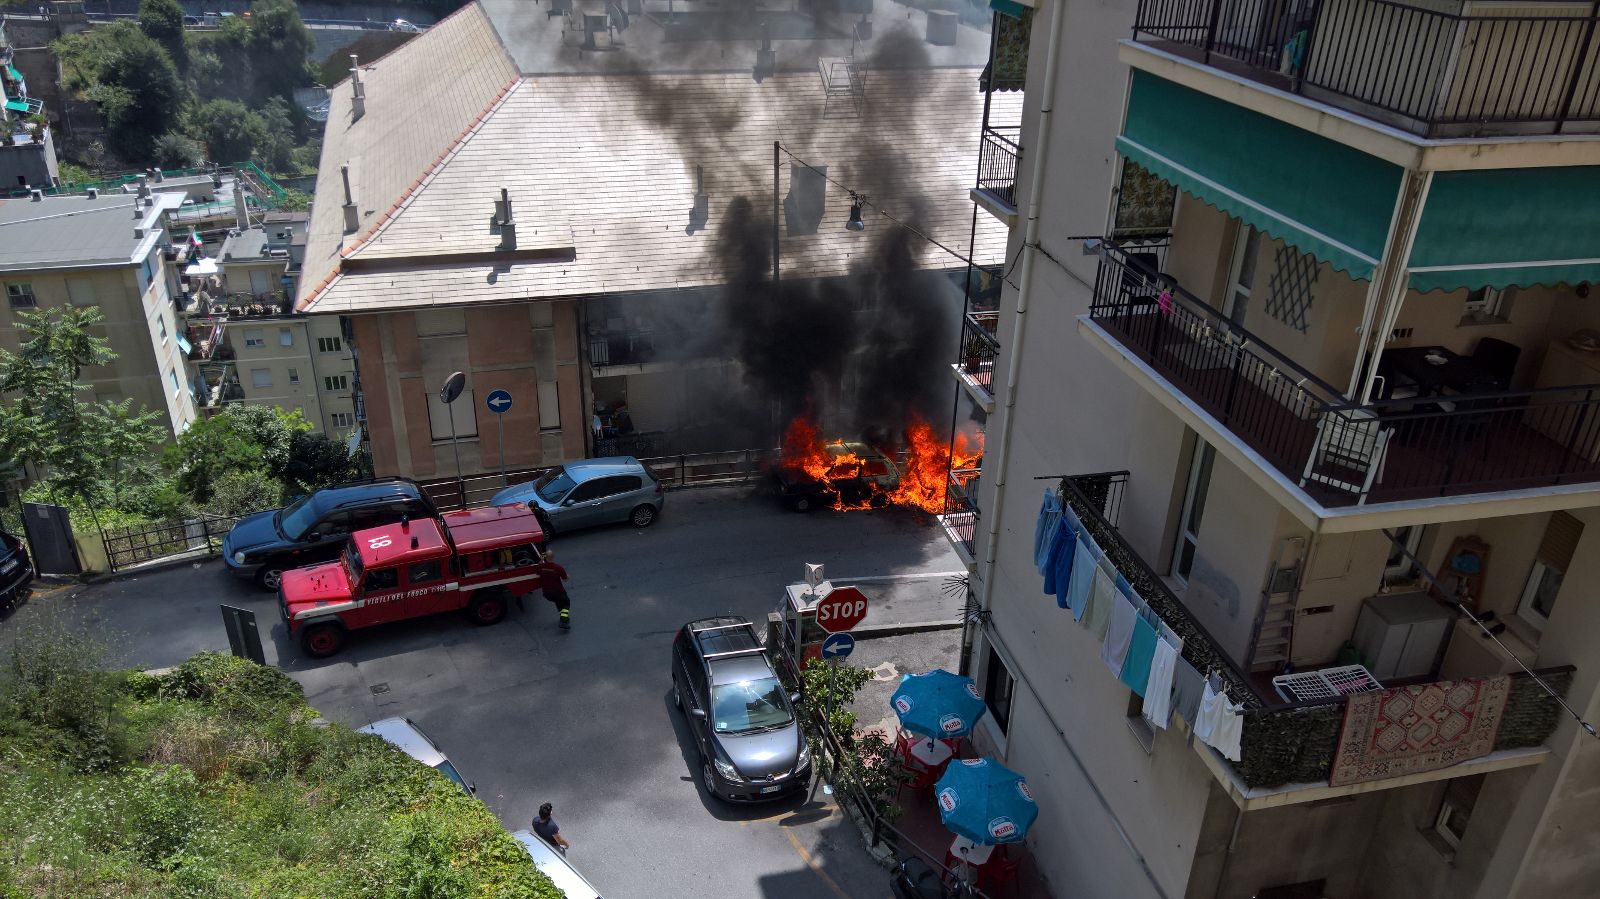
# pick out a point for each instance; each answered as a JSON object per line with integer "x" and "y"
{"x": 499, "y": 402}
{"x": 500, "y": 426}
{"x": 448, "y": 394}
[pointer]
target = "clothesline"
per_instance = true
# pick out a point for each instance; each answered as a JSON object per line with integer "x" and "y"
{"x": 1139, "y": 649}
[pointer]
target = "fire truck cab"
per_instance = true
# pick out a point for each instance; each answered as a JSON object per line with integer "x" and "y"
{"x": 476, "y": 560}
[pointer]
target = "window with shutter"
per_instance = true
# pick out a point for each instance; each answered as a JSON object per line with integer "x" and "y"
{"x": 1550, "y": 564}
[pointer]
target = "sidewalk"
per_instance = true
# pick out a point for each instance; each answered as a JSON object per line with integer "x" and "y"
{"x": 918, "y": 820}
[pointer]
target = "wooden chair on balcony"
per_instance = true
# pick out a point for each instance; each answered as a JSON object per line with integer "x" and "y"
{"x": 1349, "y": 452}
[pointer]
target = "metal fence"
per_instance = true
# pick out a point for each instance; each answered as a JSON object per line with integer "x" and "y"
{"x": 979, "y": 348}
{"x": 1433, "y": 67}
{"x": 129, "y": 546}
{"x": 997, "y": 163}
{"x": 674, "y": 473}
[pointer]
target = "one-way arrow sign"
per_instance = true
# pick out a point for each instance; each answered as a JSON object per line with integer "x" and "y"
{"x": 498, "y": 401}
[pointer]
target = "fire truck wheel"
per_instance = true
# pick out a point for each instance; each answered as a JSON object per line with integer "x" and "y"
{"x": 487, "y": 607}
{"x": 322, "y": 640}
{"x": 642, "y": 516}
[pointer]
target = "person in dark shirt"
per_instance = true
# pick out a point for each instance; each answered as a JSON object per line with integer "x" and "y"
{"x": 547, "y": 828}
{"x": 550, "y": 577}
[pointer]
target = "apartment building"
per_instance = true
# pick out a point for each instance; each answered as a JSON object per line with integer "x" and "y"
{"x": 110, "y": 251}
{"x": 564, "y": 236}
{"x": 1300, "y": 333}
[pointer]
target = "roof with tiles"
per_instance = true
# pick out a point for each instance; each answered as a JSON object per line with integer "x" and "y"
{"x": 601, "y": 173}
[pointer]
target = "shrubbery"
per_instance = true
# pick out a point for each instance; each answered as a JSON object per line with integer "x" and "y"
{"x": 216, "y": 779}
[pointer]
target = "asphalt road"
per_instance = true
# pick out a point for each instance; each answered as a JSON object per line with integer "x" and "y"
{"x": 584, "y": 718}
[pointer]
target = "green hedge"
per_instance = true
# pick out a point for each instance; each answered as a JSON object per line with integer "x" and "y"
{"x": 218, "y": 780}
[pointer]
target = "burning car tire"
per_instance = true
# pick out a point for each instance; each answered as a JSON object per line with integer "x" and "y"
{"x": 802, "y": 504}
{"x": 487, "y": 608}
{"x": 322, "y": 640}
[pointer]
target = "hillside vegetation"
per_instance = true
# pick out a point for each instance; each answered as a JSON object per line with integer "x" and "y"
{"x": 217, "y": 780}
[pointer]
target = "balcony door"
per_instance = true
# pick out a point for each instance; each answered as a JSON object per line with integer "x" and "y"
{"x": 1194, "y": 509}
{"x": 1241, "y": 273}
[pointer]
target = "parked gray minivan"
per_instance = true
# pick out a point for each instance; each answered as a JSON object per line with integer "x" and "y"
{"x": 591, "y": 492}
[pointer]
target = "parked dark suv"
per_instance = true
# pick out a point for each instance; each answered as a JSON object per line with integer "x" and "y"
{"x": 749, "y": 739}
{"x": 16, "y": 570}
{"x": 313, "y": 528}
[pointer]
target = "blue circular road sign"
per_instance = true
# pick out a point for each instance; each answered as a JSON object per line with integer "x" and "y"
{"x": 838, "y": 646}
{"x": 498, "y": 401}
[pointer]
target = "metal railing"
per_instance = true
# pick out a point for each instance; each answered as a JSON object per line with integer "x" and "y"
{"x": 979, "y": 348}
{"x": 1345, "y": 452}
{"x": 674, "y": 473}
{"x": 622, "y": 348}
{"x": 129, "y": 546}
{"x": 1090, "y": 496}
{"x": 1297, "y": 743}
{"x": 997, "y": 163}
{"x": 1429, "y": 67}
{"x": 960, "y": 518}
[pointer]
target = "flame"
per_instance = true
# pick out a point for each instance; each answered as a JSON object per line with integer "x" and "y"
{"x": 923, "y": 475}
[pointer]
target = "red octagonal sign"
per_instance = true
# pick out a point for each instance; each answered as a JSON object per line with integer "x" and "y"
{"x": 841, "y": 610}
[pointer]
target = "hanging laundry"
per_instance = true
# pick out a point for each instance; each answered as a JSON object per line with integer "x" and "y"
{"x": 1065, "y": 558}
{"x": 1063, "y": 541}
{"x": 1081, "y": 581}
{"x": 1101, "y": 597}
{"x": 1141, "y": 652}
{"x": 1119, "y": 634}
{"x": 1158, "y": 687}
{"x": 1044, "y": 530}
{"x": 1164, "y": 301}
{"x": 1188, "y": 686}
{"x": 1219, "y": 724}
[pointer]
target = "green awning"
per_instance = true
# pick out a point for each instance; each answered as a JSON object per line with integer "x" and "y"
{"x": 1008, "y": 7}
{"x": 1504, "y": 227}
{"x": 1319, "y": 196}
{"x": 16, "y": 104}
{"x": 12, "y": 73}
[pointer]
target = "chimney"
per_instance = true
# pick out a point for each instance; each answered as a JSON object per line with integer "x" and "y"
{"x": 241, "y": 212}
{"x": 506, "y": 220}
{"x": 159, "y": 176}
{"x": 352, "y": 216}
{"x": 94, "y": 193}
{"x": 702, "y": 202}
{"x": 144, "y": 187}
{"x": 36, "y": 196}
{"x": 358, "y": 97}
{"x": 138, "y": 211}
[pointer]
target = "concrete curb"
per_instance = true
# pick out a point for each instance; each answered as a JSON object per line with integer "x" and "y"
{"x": 873, "y": 632}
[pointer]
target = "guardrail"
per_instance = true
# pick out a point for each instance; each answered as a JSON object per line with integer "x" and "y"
{"x": 997, "y": 163}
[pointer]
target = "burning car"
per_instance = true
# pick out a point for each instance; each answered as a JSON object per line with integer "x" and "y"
{"x": 841, "y": 475}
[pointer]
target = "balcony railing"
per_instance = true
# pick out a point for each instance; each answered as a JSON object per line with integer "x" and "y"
{"x": 997, "y": 164}
{"x": 1297, "y": 744}
{"x": 622, "y": 348}
{"x": 979, "y": 348}
{"x": 1424, "y": 69}
{"x": 960, "y": 518}
{"x": 1340, "y": 452}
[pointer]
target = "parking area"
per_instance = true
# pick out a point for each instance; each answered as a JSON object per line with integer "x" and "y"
{"x": 584, "y": 718}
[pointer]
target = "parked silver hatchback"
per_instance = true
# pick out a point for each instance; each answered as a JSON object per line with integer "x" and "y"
{"x": 591, "y": 492}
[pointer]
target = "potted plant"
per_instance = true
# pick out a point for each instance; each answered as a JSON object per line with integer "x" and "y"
{"x": 974, "y": 348}
{"x": 38, "y": 123}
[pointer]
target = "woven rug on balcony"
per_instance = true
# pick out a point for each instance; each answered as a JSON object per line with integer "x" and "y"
{"x": 1406, "y": 730}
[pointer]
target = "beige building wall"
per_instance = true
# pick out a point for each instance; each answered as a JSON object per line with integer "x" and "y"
{"x": 141, "y": 326}
{"x": 273, "y": 359}
{"x": 529, "y": 349}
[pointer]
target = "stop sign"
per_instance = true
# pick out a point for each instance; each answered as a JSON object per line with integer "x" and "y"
{"x": 841, "y": 610}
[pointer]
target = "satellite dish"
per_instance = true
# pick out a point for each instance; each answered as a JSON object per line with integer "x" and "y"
{"x": 452, "y": 388}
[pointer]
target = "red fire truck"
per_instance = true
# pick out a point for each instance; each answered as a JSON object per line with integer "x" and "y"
{"x": 477, "y": 560}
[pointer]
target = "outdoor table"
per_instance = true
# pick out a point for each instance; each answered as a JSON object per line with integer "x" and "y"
{"x": 1458, "y": 373}
{"x": 930, "y": 752}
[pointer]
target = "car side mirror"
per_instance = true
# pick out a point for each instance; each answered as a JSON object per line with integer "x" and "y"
{"x": 567, "y": 502}
{"x": 698, "y": 713}
{"x": 795, "y": 698}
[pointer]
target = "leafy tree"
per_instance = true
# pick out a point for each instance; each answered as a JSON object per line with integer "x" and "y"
{"x": 174, "y": 151}
{"x": 162, "y": 20}
{"x": 280, "y": 44}
{"x": 244, "y": 492}
{"x": 276, "y": 149}
{"x": 317, "y": 461}
{"x": 133, "y": 79}
{"x": 83, "y": 449}
{"x": 230, "y": 130}
{"x": 242, "y": 438}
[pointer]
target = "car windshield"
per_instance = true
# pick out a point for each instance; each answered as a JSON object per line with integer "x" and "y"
{"x": 352, "y": 562}
{"x": 749, "y": 705}
{"x": 553, "y": 485}
{"x": 296, "y": 519}
{"x": 449, "y": 770}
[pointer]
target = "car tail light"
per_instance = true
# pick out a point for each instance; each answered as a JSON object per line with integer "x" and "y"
{"x": 660, "y": 489}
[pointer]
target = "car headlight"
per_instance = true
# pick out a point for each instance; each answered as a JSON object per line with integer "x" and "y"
{"x": 238, "y": 558}
{"x": 727, "y": 770}
{"x": 804, "y": 758}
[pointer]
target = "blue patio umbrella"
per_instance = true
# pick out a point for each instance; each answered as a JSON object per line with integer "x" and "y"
{"x": 985, "y": 801}
{"x": 938, "y": 704}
